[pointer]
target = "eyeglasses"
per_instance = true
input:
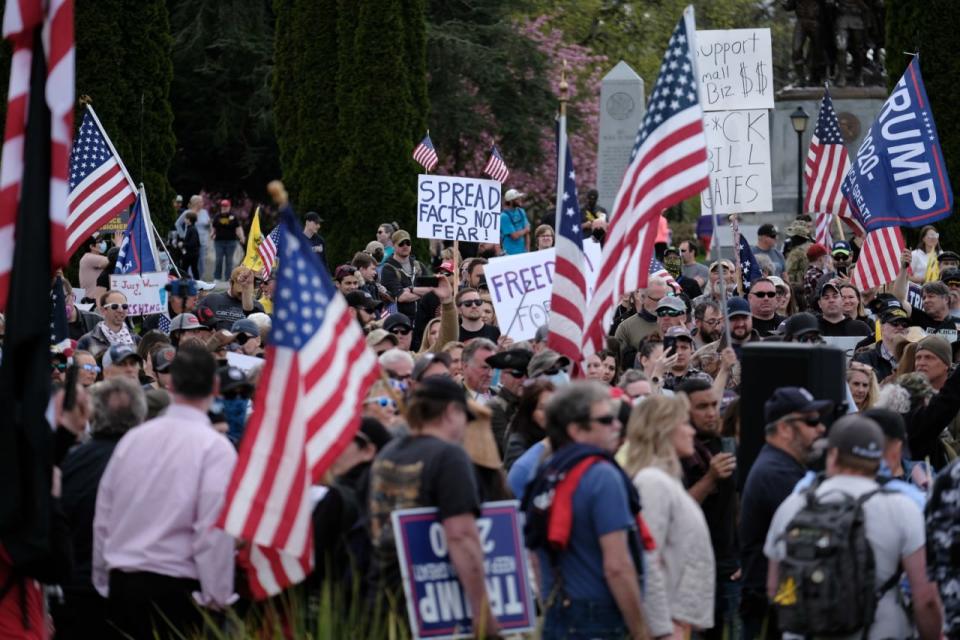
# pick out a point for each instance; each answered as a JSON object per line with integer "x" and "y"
{"x": 404, "y": 243}
{"x": 812, "y": 336}
{"x": 670, "y": 313}
{"x": 810, "y": 421}
{"x": 782, "y": 292}
{"x": 58, "y": 366}
{"x": 90, "y": 367}
{"x": 114, "y": 306}
{"x": 606, "y": 420}
{"x": 764, "y": 294}
{"x": 401, "y": 331}
{"x": 516, "y": 373}
{"x": 471, "y": 303}
{"x": 382, "y": 401}
{"x": 712, "y": 323}
{"x": 397, "y": 376}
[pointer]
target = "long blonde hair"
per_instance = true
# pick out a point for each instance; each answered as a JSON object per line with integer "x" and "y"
{"x": 424, "y": 347}
{"x": 650, "y": 431}
{"x": 873, "y": 387}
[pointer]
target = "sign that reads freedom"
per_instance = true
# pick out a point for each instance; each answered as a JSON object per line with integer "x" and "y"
{"x": 455, "y": 208}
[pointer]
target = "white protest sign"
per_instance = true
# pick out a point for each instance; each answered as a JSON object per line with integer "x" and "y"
{"x": 145, "y": 292}
{"x": 243, "y": 362}
{"x": 455, "y": 208}
{"x": 735, "y": 68}
{"x": 521, "y": 286}
{"x": 847, "y": 344}
{"x": 738, "y": 151}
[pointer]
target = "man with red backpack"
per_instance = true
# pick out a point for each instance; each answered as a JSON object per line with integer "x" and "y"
{"x": 582, "y": 520}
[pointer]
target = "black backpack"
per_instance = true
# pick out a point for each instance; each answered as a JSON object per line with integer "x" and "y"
{"x": 826, "y": 581}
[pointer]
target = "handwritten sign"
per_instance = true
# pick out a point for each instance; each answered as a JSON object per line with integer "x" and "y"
{"x": 145, "y": 292}
{"x": 521, "y": 286}
{"x": 735, "y": 68}
{"x": 436, "y": 602}
{"x": 455, "y": 208}
{"x": 738, "y": 151}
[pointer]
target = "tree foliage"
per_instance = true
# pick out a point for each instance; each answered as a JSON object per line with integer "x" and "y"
{"x": 223, "y": 62}
{"x": 123, "y": 64}
{"x": 926, "y": 26}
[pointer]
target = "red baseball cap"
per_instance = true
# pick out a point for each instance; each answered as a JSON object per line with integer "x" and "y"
{"x": 224, "y": 203}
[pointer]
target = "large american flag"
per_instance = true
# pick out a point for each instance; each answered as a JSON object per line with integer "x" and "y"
{"x": 668, "y": 164}
{"x": 827, "y": 164}
{"x": 425, "y": 154}
{"x": 879, "y": 260}
{"x": 307, "y": 409}
{"x": 569, "y": 296}
{"x": 267, "y": 249}
{"x": 100, "y": 186}
{"x": 496, "y": 168}
{"x": 22, "y": 20}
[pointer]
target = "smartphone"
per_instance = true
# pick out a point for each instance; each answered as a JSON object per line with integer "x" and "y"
{"x": 728, "y": 445}
{"x": 669, "y": 344}
{"x": 426, "y": 281}
{"x": 70, "y": 388}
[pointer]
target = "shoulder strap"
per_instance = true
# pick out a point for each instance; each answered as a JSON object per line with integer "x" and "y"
{"x": 560, "y": 521}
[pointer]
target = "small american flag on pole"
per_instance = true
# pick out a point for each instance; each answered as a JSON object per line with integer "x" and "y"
{"x": 307, "y": 409}
{"x": 267, "y": 249}
{"x": 569, "y": 296}
{"x": 425, "y": 154}
{"x": 668, "y": 164}
{"x": 496, "y": 168}
{"x": 879, "y": 260}
{"x": 100, "y": 186}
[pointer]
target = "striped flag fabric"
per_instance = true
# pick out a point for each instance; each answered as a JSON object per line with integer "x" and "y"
{"x": 879, "y": 260}
{"x": 668, "y": 164}
{"x": 100, "y": 186}
{"x": 496, "y": 168}
{"x": 657, "y": 270}
{"x": 307, "y": 409}
{"x": 425, "y": 154}
{"x": 23, "y": 22}
{"x": 569, "y": 296}
{"x": 827, "y": 164}
{"x": 267, "y": 250}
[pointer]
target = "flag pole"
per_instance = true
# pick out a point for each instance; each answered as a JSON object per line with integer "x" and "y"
{"x": 722, "y": 281}
{"x": 145, "y": 210}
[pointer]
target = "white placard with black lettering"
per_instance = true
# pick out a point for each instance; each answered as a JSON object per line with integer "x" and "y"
{"x": 735, "y": 69}
{"x": 144, "y": 291}
{"x": 455, "y": 208}
{"x": 738, "y": 153}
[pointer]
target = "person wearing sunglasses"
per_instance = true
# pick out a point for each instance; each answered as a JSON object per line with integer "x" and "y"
{"x": 894, "y": 323}
{"x": 794, "y": 422}
{"x": 470, "y": 306}
{"x": 399, "y": 272}
{"x": 113, "y": 329}
{"x": 401, "y": 328}
{"x": 763, "y": 307}
{"x": 671, "y": 312}
{"x": 87, "y": 368}
{"x": 247, "y": 336}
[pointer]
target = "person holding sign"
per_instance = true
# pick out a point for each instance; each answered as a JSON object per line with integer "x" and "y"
{"x": 514, "y": 225}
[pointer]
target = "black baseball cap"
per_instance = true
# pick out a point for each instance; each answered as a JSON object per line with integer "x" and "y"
{"x": 162, "y": 359}
{"x": 823, "y": 287}
{"x": 312, "y": 216}
{"x": 857, "y": 436}
{"x": 891, "y": 423}
{"x": 362, "y": 299}
{"x": 948, "y": 255}
{"x": 443, "y": 388}
{"x": 397, "y": 320}
{"x": 787, "y": 400}
{"x": 950, "y": 275}
{"x": 373, "y": 431}
{"x": 511, "y": 360}
{"x": 894, "y": 314}
{"x": 767, "y": 230}
{"x": 800, "y": 324}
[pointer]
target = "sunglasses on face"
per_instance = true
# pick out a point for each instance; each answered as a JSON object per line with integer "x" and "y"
{"x": 518, "y": 374}
{"x": 58, "y": 366}
{"x": 764, "y": 294}
{"x": 606, "y": 420}
{"x": 471, "y": 303}
{"x": 383, "y": 402}
{"x": 90, "y": 367}
{"x": 233, "y": 395}
{"x": 669, "y": 313}
{"x": 810, "y": 421}
{"x": 401, "y": 331}
{"x": 809, "y": 337}
{"x": 114, "y": 306}
{"x": 243, "y": 338}
{"x": 396, "y": 376}
{"x": 404, "y": 243}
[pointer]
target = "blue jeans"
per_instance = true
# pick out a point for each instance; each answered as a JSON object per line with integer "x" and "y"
{"x": 726, "y": 607}
{"x": 224, "y": 258}
{"x": 583, "y": 620}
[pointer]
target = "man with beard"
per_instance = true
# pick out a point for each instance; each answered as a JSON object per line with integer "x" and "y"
{"x": 643, "y": 323}
{"x": 793, "y": 424}
{"x": 882, "y": 357}
{"x": 708, "y": 322}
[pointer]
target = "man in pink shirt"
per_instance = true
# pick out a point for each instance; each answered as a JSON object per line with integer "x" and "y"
{"x": 156, "y": 554}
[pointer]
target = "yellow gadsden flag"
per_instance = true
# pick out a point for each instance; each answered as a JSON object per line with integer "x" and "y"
{"x": 252, "y": 258}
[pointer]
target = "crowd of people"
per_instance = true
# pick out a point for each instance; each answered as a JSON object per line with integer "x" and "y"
{"x": 851, "y": 510}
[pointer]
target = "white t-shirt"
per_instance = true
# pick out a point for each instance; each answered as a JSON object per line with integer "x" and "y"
{"x": 895, "y": 529}
{"x": 918, "y": 262}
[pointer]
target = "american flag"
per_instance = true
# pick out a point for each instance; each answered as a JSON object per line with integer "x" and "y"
{"x": 668, "y": 164}
{"x": 267, "y": 249}
{"x": 22, "y": 19}
{"x": 100, "y": 186}
{"x": 827, "y": 164}
{"x": 657, "y": 270}
{"x": 307, "y": 409}
{"x": 496, "y": 168}
{"x": 879, "y": 260}
{"x": 425, "y": 154}
{"x": 569, "y": 297}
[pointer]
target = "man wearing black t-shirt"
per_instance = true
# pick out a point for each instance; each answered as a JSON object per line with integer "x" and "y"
{"x": 935, "y": 316}
{"x": 471, "y": 317}
{"x": 226, "y": 233}
{"x": 832, "y": 320}
{"x": 763, "y": 307}
{"x": 429, "y": 468}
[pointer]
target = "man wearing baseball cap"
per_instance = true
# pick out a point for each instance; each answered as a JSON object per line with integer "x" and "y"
{"x": 793, "y": 424}
{"x": 767, "y": 246}
{"x": 832, "y": 320}
{"x": 311, "y": 231}
{"x": 399, "y": 273}
{"x": 935, "y": 317}
{"x": 514, "y": 224}
{"x": 842, "y": 255}
{"x": 121, "y": 360}
{"x": 882, "y": 356}
{"x": 894, "y": 527}
{"x": 227, "y": 231}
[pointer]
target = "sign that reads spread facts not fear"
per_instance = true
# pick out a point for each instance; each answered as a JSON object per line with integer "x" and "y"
{"x": 455, "y": 208}
{"x": 436, "y": 602}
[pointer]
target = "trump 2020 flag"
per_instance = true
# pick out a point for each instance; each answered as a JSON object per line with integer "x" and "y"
{"x": 899, "y": 177}
{"x": 136, "y": 252}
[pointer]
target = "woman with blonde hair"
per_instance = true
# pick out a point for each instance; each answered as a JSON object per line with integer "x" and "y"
{"x": 431, "y": 333}
{"x": 863, "y": 385}
{"x": 681, "y": 573}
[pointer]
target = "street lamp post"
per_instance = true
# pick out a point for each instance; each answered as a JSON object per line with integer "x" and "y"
{"x": 799, "y": 121}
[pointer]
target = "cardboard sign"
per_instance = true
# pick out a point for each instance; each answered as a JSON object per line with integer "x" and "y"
{"x": 847, "y": 344}
{"x": 455, "y": 208}
{"x": 521, "y": 286}
{"x": 436, "y": 602}
{"x": 735, "y": 68}
{"x": 145, "y": 292}
{"x": 738, "y": 151}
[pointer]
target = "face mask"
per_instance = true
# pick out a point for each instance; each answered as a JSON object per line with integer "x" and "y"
{"x": 102, "y": 246}
{"x": 559, "y": 379}
{"x": 672, "y": 265}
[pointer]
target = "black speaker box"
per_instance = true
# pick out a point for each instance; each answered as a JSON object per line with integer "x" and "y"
{"x": 766, "y": 366}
